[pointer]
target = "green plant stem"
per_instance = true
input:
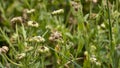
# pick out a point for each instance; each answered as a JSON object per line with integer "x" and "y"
{"x": 12, "y": 61}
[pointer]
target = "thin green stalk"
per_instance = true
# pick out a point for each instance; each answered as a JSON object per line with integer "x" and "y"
{"x": 12, "y": 61}
{"x": 42, "y": 60}
{"x": 110, "y": 28}
{"x": 7, "y": 39}
{"x": 77, "y": 65}
{"x": 110, "y": 36}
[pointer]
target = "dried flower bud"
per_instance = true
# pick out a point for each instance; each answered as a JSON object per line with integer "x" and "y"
{"x": 43, "y": 49}
{"x": 86, "y": 53}
{"x": 32, "y": 23}
{"x": 57, "y": 48}
{"x": 17, "y": 19}
{"x": 75, "y": 5}
{"x": 102, "y": 25}
{"x": 28, "y": 48}
{"x": 55, "y": 36}
{"x": 98, "y": 63}
{"x": 20, "y": 56}
{"x": 49, "y": 27}
{"x": 4, "y": 49}
{"x": 30, "y": 11}
{"x": 37, "y": 39}
{"x": 13, "y": 38}
{"x": 95, "y": 1}
{"x": 93, "y": 59}
{"x": 58, "y": 11}
{"x": 93, "y": 16}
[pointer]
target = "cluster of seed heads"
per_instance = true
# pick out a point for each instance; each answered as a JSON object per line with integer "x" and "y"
{"x": 22, "y": 19}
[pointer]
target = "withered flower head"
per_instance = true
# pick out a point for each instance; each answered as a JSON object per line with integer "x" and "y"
{"x": 58, "y": 11}
{"x": 76, "y": 5}
{"x": 28, "y": 11}
{"x": 55, "y": 36}
{"x": 20, "y": 56}
{"x": 32, "y": 23}
{"x": 36, "y": 39}
{"x": 28, "y": 48}
{"x": 43, "y": 49}
{"x": 4, "y": 49}
{"x": 16, "y": 20}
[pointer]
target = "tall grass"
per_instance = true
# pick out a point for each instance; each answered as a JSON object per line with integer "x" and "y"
{"x": 59, "y": 34}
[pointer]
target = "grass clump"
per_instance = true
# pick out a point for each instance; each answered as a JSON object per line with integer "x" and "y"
{"x": 59, "y": 34}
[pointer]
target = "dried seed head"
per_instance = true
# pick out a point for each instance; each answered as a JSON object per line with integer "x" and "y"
{"x": 86, "y": 53}
{"x": 76, "y": 5}
{"x": 43, "y": 49}
{"x": 55, "y": 36}
{"x": 28, "y": 48}
{"x": 98, "y": 63}
{"x": 30, "y": 11}
{"x": 93, "y": 58}
{"x": 58, "y": 11}
{"x": 49, "y": 27}
{"x": 16, "y": 20}
{"x": 95, "y": 1}
{"x": 103, "y": 25}
{"x": 57, "y": 48}
{"x": 20, "y": 56}
{"x": 72, "y": 20}
{"x": 36, "y": 39}
{"x": 32, "y": 23}
{"x": 13, "y": 38}
{"x": 93, "y": 16}
{"x": 4, "y": 49}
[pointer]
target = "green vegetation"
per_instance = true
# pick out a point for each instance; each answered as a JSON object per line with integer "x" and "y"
{"x": 59, "y": 34}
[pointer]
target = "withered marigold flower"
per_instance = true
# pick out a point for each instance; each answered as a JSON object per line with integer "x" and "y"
{"x": 58, "y": 11}
{"x": 20, "y": 56}
{"x": 43, "y": 49}
{"x": 55, "y": 36}
{"x": 32, "y": 23}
